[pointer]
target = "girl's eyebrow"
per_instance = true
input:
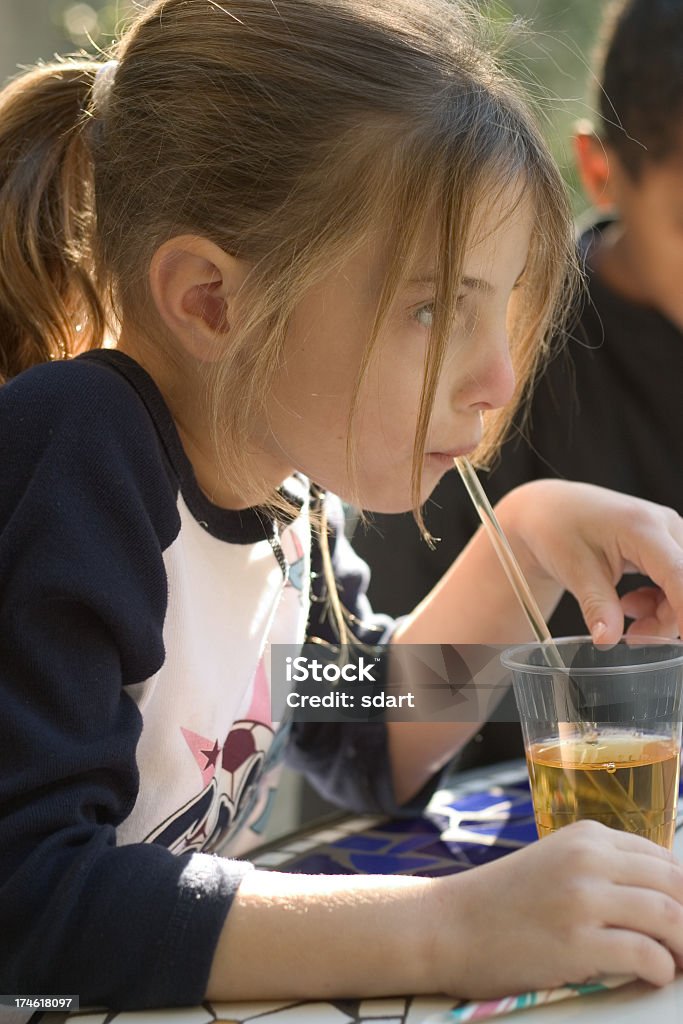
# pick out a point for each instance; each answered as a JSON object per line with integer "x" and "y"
{"x": 475, "y": 284}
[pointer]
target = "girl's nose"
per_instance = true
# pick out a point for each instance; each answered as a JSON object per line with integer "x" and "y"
{"x": 490, "y": 383}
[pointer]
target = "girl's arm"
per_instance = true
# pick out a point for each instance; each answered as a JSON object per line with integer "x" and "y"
{"x": 87, "y": 509}
{"x": 566, "y": 536}
{"x": 609, "y": 903}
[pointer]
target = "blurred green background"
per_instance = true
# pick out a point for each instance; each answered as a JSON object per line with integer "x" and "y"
{"x": 551, "y": 51}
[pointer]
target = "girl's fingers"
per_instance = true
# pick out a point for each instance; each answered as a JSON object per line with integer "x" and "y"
{"x": 645, "y": 902}
{"x": 644, "y": 872}
{"x": 633, "y": 844}
{"x": 646, "y": 911}
{"x": 619, "y": 951}
{"x": 658, "y": 553}
{"x": 666, "y": 615}
{"x": 652, "y": 627}
{"x": 651, "y": 612}
{"x": 596, "y": 594}
{"x": 641, "y": 602}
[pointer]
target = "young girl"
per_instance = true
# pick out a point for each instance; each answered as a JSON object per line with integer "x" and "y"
{"x": 324, "y": 237}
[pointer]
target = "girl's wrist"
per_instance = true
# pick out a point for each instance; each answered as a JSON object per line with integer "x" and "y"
{"x": 430, "y": 937}
{"x": 523, "y": 514}
{"x": 455, "y": 940}
{"x": 515, "y": 513}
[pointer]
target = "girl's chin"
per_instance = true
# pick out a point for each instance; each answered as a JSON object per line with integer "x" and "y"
{"x": 437, "y": 461}
{"x": 393, "y": 502}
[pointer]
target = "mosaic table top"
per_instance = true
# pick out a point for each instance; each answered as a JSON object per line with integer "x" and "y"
{"x": 482, "y": 817}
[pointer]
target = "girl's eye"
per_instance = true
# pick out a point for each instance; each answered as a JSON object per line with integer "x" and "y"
{"x": 425, "y": 315}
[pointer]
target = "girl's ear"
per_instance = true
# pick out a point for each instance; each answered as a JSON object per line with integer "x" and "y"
{"x": 194, "y": 284}
{"x": 593, "y": 163}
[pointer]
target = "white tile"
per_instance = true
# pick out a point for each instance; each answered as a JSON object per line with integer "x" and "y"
{"x": 14, "y": 1015}
{"x": 382, "y": 1008}
{"x": 87, "y": 1018}
{"x": 271, "y": 859}
{"x": 307, "y": 1013}
{"x": 383, "y": 1020}
{"x": 358, "y": 824}
{"x": 247, "y": 1011}
{"x": 422, "y": 1007}
{"x": 176, "y": 1015}
{"x": 353, "y": 825}
{"x": 330, "y": 834}
{"x": 301, "y": 845}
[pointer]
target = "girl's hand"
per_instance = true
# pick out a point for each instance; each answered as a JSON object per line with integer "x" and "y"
{"x": 585, "y": 902}
{"x": 585, "y": 538}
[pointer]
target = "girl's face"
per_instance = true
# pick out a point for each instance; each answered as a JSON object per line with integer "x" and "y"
{"x": 309, "y": 408}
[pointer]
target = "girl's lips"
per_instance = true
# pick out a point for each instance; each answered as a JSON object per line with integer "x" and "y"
{"x": 454, "y": 453}
{"x": 444, "y": 460}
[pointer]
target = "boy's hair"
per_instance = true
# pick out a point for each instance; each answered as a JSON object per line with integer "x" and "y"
{"x": 640, "y": 76}
{"x": 285, "y": 133}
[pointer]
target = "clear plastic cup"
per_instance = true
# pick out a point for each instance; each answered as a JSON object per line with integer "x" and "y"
{"x": 602, "y": 735}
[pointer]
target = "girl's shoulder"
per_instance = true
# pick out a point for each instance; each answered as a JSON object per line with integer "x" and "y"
{"x": 78, "y": 427}
{"x": 85, "y": 396}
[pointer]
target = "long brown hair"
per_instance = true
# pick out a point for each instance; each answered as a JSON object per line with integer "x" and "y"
{"x": 283, "y": 132}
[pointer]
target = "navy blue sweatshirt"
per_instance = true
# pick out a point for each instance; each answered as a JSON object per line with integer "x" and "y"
{"x": 135, "y": 730}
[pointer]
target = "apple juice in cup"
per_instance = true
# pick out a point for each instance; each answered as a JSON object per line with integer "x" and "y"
{"x": 602, "y": 735}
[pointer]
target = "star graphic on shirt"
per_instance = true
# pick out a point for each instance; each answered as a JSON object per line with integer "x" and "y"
{"x": 211, "y": 755}
{"x": 206, "y": 751}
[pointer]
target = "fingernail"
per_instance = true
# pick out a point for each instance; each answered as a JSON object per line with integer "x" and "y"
{"x": 599, "y": 630}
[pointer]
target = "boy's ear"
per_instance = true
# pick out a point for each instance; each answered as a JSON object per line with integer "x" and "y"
{"x": 194, "y": 283}
{"x": 592, "y": 161}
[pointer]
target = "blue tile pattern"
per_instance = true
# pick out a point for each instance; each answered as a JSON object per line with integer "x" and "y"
{"x": 458, "y": 831}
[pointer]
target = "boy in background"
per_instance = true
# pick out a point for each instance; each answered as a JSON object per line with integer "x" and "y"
{"x": 608, "y": 407}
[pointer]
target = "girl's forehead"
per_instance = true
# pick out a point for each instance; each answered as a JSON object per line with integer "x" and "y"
{"x": 510, "y": 210}
{"x": 372, "y": 261}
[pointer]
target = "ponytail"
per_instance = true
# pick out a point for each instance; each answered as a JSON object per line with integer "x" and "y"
{"x": 49, "y": 304}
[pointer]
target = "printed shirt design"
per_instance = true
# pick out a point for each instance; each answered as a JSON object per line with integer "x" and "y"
{"x": 230, "y": 773}
{"x": 207, "y": 748}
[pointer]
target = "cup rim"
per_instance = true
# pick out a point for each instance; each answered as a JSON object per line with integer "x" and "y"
{"x": 508, "y": 656}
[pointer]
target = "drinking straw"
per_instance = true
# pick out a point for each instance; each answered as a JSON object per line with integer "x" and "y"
{"x": 507, "y": 559}
{"x": 535, "y": 617}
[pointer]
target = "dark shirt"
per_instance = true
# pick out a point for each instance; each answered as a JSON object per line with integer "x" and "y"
{"x": 135, "y": 719}
{"x": 604, "y": 411}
